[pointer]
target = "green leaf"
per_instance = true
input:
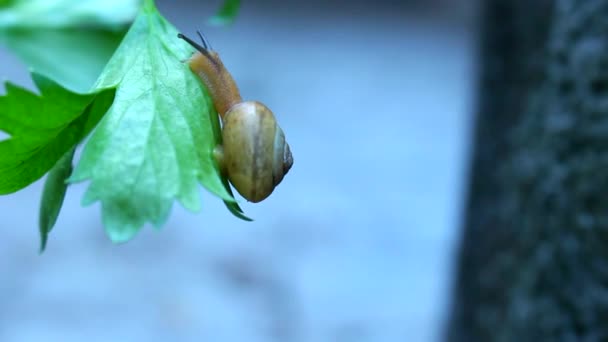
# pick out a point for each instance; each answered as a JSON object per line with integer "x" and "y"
{"x": 6, "y": 3}
{"x": 72, "y": 57}
{"x": 69, "y": 41}
{"x": 53, "y": 194}
{"x": 227, "y": 13}
{"x": 42, "y": 128}
{"x": 48, "y": 14}
{"x": 155, "y": 144}
{"x": 233, "y": 207}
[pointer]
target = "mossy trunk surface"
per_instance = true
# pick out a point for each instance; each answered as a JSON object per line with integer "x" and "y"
{"x": 533, "y": 261}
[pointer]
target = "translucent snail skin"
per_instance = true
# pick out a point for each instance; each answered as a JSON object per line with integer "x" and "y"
{"x": 254, "y": 154}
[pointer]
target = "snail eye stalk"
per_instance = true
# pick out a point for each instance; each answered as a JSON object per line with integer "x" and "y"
{"x": 205, "y": 42}
{"x": 195, "y": 45}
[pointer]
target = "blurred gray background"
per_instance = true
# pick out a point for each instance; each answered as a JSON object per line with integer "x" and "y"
{"x": 356, "y": 244}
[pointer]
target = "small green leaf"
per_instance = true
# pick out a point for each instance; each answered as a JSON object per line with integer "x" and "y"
{"x": 72, "y": 57}
{"x": 155, "y": 144}
{"x": 233, "y": 207}
{"x": 65, "y": 40}
{"x": 56, "y": 184}
{"x": 7, "y": 3}
{"x": 42, "y": 128}
{"x": 53, "y": 194}
{"x": 50, "y": 14}
{"x": 227, "y": 13}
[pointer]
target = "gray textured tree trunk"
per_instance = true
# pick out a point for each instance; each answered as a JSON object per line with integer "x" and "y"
{"x": 533, "y": 264}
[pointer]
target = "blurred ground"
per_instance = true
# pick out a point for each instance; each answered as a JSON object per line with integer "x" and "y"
{"x": 356, "y": 244}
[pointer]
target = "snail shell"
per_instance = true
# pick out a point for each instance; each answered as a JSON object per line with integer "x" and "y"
{"x": 256, "y": 155}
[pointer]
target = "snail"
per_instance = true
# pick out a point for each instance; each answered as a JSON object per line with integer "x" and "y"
{"x": 254, "y": 154}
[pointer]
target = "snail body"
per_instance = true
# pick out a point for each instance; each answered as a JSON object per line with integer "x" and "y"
{"x": 254, "y": 154}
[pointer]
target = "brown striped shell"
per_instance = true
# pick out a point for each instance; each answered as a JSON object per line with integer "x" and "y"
{"x": 256, "y": 156}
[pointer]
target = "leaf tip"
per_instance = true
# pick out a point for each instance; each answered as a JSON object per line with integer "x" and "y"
{"x": 236, "y": 210}
{"x": 120, "y": 236}
{"x": 43, "y": 240}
